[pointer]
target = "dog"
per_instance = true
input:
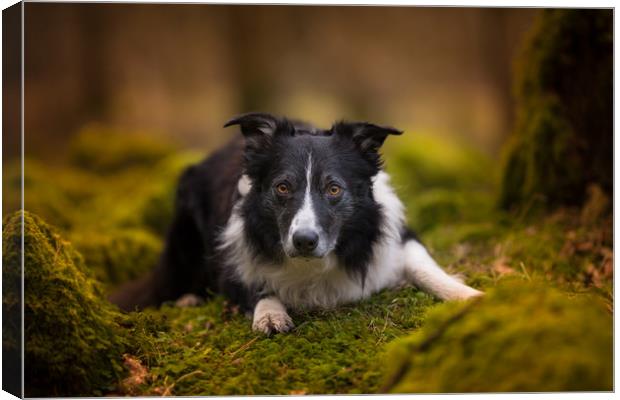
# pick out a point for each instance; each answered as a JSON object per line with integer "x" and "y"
{"x": 289, "y": 216}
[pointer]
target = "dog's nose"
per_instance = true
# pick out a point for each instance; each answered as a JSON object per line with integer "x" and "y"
{"x": 305, "y": 240}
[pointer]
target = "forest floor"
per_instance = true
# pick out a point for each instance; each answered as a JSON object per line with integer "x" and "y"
{"x": 113, "y": 203}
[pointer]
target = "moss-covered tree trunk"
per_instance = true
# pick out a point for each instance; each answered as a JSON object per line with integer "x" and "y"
{"x": 563, "y": 139}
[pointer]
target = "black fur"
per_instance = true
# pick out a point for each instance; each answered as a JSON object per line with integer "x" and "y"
{"x": 271, "y": 150}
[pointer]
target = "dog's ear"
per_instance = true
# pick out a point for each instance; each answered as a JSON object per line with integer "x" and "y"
{"x": 368, "y": 137}
{"x": 258, "y": 128}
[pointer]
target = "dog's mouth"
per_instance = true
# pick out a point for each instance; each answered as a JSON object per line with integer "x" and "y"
{"x": 318, "y": 253}
{"x": 305, "y": 255}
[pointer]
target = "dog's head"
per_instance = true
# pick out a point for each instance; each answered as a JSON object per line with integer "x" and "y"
{"x": 308, "y": 186}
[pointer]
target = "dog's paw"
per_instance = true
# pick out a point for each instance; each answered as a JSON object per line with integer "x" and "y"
{"x": 465, "y": 293}
{"x": 188, "y": 300}
{"x": 273, "y": 322}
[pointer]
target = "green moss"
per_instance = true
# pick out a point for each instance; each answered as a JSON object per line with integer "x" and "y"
{"x": 564, "y": 130}
{"x": 140, "y": 198}
{"x": 572, "y": 252}
{"x": 519, "y": 337}
{"x": 76, "y": 200}
{"x": 419, "y": 161}
{"x": 118, "y": 255}
{"x": 72, "y": 340}
{"x": 211, "y": 350}
{"x": 156, "y": 207}
{"x": 440, "y": 180}
{"x": 51, "y": 191}
{"x": 106, "y": 151}
{"x": 435, "y": 207}
{"x": 11, "y": 305}
{"x": 117, "y": 221}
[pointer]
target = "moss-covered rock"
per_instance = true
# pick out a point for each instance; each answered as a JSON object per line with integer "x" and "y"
{"x": 104, "y": 151}
{"x": 563, "y": 139}
{"x": 11, "y": 305}
{"x": 73, "y": 342}
{"x": 118, "y": 255}
{"x": 519, "y": 337}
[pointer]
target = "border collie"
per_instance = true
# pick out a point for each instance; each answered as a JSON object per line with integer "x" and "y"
{"x": 288, "y": 216}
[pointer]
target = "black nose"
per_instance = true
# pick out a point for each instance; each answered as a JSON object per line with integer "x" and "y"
{"x": 305, "y": 240}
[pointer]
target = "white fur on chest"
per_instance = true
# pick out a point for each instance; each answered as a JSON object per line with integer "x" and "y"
{"x": 322, "y": 282}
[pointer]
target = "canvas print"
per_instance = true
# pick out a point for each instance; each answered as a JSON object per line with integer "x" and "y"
{"x": 207, "y": 199}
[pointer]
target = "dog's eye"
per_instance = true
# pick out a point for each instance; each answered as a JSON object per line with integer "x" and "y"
{"x": 282, "y": 188}
{"x": 334, "y": 190}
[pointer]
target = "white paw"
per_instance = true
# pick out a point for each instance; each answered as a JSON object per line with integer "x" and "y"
{"x": 465, "y": 293}
{"x": 273, "y": 322}
{"x": 188, "y": 300}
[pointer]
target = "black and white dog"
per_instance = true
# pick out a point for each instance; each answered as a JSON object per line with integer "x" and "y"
{"x": 290, "y": 216}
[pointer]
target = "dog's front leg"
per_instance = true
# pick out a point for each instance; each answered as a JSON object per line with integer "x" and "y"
{"x": 270, "y": 316}
{"x": 425, "y": 273}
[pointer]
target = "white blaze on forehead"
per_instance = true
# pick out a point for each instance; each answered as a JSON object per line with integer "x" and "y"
{"x": 305, "y": 217}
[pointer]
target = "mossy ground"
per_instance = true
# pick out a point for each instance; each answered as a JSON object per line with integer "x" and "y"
{"x": 117, "y": 223}
{"x": 521, "y": 337}
{"x": 211, "y": 349}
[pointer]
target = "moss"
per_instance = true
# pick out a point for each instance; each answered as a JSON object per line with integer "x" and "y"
{"x": 156, "y": 208}
{"x": 53, "y": 192}
{"x": 140, "y": 198}
{"x": 105, "y": 151}
{"x": 118, "y": 255}
{"x": 435, "y": 207}
{"x": 73, "y": 343}
{"x": 211, "y": 349}
{"x": 560, "y": 248}
{"x": 11, "y": 305}
{"x": 117, "y": 219}
{"x": 564, "y": 130}
{"x": 519, "y": 337}
{"x": 80, "y": 201}
{"x": 421, "y": 161}
{"x": 440, "y": 180}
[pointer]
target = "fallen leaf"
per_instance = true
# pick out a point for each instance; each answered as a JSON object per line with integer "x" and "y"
{"x": 138, "y": 375}
{"x": 608, "y": 268}
{"x": 584, "y": 246}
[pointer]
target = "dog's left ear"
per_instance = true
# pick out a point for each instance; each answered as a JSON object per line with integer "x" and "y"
{"x": 368, "y": 137}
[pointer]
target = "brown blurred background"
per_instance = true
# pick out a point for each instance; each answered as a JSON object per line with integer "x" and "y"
{"x": 181, "y": 71}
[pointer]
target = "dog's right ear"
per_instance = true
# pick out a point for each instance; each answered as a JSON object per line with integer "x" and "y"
{"x": 258, "y": 128}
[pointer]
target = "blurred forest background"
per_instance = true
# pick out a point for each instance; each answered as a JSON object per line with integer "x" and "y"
{"x": 181, "y": 71}
{"x": 505, "y": 169}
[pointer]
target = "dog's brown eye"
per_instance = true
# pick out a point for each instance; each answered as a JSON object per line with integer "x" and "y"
{"x": 334, "y": 190}
{"x": 282, "y": 188}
